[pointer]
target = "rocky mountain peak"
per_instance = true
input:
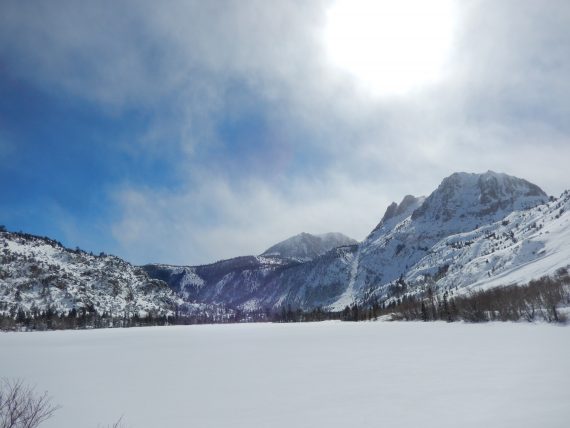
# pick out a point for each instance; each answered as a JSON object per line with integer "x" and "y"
{"x": 396, "y": 212}
{"x": 487, "y": 195}
{"x": 408, "y": 204}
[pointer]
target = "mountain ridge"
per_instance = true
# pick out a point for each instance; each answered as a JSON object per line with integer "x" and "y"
{"x": 38, "y": 275}
{"x": 472, "y": 231}
{"x": 392, "y": 251}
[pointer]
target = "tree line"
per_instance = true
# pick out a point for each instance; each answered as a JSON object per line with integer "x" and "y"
{"x": 89, "y": 318}
{"x": 539, "y": 300}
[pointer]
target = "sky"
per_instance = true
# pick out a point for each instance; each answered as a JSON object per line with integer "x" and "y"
{"x": 187, "y": 132}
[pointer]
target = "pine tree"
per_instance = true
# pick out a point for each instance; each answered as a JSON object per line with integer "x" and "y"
{"x": 425, "y": 316}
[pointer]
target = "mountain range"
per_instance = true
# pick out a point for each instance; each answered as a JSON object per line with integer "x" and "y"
{"x": 474, "y": 231}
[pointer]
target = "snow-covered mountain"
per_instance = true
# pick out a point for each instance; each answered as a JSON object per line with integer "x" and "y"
{"x": 235, "y": 282}
{"x": 524, "y": 245}
{"x": 305, "y": 247}
{"x": 462, "y": 203}
{"x": 473, "y": 230}
{"x": 37, "y": 274}
{"x": 253, "y": 282}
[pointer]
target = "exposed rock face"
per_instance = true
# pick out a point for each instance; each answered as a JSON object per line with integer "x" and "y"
{"x": 38, "y": 273}
{"x": 408, "y": 204}
{"x": 487, "y": 196}
{"x": 397, "y": 212}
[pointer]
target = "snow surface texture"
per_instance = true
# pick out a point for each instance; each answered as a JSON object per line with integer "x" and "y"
{"x": 300, "y": 375}
{"x": 474, "y": 230}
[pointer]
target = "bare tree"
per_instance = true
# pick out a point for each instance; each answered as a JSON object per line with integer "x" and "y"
{"x": 117, "y": 424}
{"x": 22, "y": 407}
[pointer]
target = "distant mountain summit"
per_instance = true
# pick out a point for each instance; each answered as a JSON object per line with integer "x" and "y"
{"x": 306, "y": 246}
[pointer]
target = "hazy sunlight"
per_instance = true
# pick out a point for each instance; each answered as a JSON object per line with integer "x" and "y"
{"x": 390, "y": 47}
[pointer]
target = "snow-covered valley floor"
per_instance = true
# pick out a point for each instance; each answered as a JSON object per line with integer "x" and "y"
{"x": 300, "y": 375}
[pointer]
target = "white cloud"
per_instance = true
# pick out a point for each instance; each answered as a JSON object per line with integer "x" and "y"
{"x": 504, "y": 106}
{"x": 218, "y": 220}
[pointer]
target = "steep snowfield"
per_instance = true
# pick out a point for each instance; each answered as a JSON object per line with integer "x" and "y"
{"x": 300, "y": 375}
{"x": 523, "y": 246}
{"x": 542, "y": 253}
{"x": 347, "y": 297}
{"x": 462, "y": 203}
{"x": 318, "y": 283}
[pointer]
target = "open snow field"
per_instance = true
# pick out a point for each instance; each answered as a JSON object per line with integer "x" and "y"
{"x": 300, "y": 375}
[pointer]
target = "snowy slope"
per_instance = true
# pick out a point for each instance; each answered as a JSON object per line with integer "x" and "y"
{"x": 257, "y": 282}
{"x": 235, "y": 281}
{"x": 305, "y": 247}
{"x": 39, "y": 273}
{"x": 290, "y": 273}
{"x": 473, "y": 230}
{"x": 524, "y": 245}
{"x": 405, "y": 244}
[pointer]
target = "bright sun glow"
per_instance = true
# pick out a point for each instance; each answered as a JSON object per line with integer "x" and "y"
{"x": 390, "y": 46}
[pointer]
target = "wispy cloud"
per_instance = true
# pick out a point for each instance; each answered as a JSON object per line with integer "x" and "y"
{"x": 308, "y": 149}
{"x": 218, "y": 220}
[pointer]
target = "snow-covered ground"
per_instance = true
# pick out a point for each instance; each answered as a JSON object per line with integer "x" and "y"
{"x": 303, "y": 375}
